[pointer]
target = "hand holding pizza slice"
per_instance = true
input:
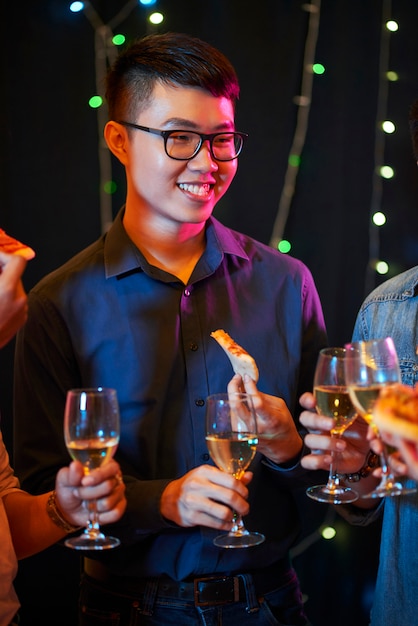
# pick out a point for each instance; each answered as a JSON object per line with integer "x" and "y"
{"x": 242, "y": 363}
{"x": 12, "y": 246}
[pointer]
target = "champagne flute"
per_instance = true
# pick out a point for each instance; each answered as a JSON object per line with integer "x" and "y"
{"x": 371, "y": 365}
{"x": 333, "y": 400}
{"x": 231, "y": 436}
{"x": 91, "y": 433}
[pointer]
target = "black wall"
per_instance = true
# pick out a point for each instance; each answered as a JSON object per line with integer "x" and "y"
{"x": 49, "y": 171}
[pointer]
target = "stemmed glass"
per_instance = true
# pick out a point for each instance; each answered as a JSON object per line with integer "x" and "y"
{"x": 333, "y": 400}
{"x": 91, "y": 433}
{"x": 371, "y": 365}
{"x": 231, "y": 436}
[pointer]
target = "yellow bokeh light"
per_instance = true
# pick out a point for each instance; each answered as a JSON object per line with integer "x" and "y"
{"x": 392, "y": 26}
{"x": 382, "y": 267}
{"x": 328, "y": 532}
{"x": 379, "y": 218}
{"x": 156, "y": 18}
{"x": 386, "y": 171}
{"x": 388, "y": 127}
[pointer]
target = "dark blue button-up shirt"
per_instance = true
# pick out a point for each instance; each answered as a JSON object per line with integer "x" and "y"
{"x": 109, "y": 318}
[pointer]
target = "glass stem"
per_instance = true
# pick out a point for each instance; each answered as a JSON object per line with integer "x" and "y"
{"x": 92, "y": 526}
{"x": 384, "y": 462}
{"x": 238, "y": 528}
{"x": 333, "y": 478}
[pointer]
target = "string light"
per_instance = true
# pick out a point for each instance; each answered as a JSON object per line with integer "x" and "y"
{"x": 303, "y": 101}
{"x": 381, "y": 170}
{"x": 106, "y": 43}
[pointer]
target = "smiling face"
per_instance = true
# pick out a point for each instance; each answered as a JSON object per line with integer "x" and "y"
{"x": 164, "y": 190}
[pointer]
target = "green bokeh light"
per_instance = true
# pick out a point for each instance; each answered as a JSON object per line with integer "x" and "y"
{"x": 284, "y": 246}
{"x": 294, "y": 160}
{"x": 110, "y": 187}
{"x": 95, "y": 102}
{"x": 118, "y": 40}
{"x": 318, "y": 68}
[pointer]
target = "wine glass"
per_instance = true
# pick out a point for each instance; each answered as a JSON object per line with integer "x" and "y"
{"x": 91, "y": 433}
{"x": 333, "y": 400}
{"x": 231, "y": 437}
{"x": 371, "y": 365}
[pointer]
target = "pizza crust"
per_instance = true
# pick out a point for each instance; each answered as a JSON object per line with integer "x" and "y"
{"x": 13, "y": 246}
{"x": 242, "y": 362}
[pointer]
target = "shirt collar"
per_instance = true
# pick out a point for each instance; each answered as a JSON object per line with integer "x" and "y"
{"x": 121, "y": 256}
{"x": 411, "y": 288}
{"x": 224, "y": 239}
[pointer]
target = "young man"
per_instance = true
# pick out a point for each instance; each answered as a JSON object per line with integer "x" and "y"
{"x": 29, "y": 524}
{"x": 391, "y": 310}
{"x": 135, "y": 311}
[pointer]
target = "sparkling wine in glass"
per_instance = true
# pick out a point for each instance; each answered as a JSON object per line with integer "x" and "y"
{"x": 333, "y": 400}
{"x": 231, "y": 437}
{"x": 371, "y": 365}
{"x": 91, "y": 433}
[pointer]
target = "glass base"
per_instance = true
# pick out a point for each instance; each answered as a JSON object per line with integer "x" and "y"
{"x": 389, "y": 488}
{"x": 334, "y": 495}
{"x": 239, "y": 540}
{"x": 86, "y": 541}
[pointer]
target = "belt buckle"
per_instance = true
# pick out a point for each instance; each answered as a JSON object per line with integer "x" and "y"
{"x": 216, "y": 590}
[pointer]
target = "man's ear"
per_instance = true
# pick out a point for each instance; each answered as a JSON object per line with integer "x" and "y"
{"x": 116, "y": 137}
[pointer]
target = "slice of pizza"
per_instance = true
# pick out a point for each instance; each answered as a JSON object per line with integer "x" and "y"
{"x": 13, "y": 246}
{"x": 396, "y": 411}
{"x": 242, "y": 363}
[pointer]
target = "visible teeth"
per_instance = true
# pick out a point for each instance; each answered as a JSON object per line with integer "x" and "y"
{"x": 199, "y": 190}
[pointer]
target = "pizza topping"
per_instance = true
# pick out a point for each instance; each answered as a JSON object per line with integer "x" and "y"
{"x": 399, "y": 401}
{"x": 242, "y": 363}
{"x": 13, "y": 246}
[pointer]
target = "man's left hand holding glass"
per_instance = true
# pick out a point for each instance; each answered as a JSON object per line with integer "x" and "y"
{"x": 278, "y": 438}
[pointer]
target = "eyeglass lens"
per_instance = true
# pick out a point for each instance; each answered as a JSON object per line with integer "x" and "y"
{"x": 184, "y": 145}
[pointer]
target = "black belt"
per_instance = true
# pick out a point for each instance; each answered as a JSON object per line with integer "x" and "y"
{"x": 203, "y": 590}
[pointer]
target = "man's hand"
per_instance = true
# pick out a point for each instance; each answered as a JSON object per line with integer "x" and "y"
{"x": 278, "y": 438}
{"x": 205, "y": 496}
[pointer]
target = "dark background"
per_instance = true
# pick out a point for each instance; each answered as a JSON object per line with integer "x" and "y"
{"x": 50, "y": 175}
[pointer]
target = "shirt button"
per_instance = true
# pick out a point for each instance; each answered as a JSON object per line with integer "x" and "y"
{"x": 193, "y": 347}
{"x": 205, "y": 457}
{"x": 187, "y": 292}
{"x": 199, "y": 402}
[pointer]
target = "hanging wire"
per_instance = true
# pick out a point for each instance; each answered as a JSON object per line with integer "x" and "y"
{"x": 105, "y": 54}
{"x": 304, "y": 103}
{"x": 379, "y": 149}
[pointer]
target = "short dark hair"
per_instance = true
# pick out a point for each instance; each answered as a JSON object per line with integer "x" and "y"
{"x": 413, "y": 126}
{"x": 167, "y": 58}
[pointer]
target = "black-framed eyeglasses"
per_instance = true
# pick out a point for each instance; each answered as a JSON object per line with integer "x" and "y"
{"x": 183, "y": 145}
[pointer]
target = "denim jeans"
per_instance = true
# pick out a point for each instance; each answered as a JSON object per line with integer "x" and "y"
{"x": 102, "y": 606}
